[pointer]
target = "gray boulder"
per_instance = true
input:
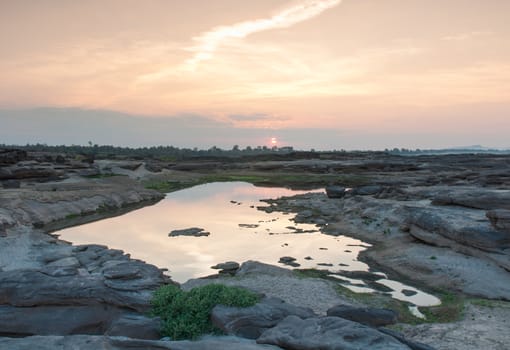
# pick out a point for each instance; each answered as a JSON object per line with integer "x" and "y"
{"x": 373, "y": 317}
{"x": 335, "y": 191}
{"x": 327, "y": 333}
{"x": 252, "y": 321}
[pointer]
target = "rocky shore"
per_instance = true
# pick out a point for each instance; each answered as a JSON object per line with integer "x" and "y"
{"x": 441, "y": 222}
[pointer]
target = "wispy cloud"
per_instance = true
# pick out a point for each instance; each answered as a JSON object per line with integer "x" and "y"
{"x": 210, "y": 41}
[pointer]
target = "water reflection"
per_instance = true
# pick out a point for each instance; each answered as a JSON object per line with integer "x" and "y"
{"x": 219, "y": 208}
{"x": 238, "y": 232}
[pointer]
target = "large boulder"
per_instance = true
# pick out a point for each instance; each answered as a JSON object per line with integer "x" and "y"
{"x": 373, "y": 317}
{"x": 252, "y": 321}
{"x": 327, "y": 333}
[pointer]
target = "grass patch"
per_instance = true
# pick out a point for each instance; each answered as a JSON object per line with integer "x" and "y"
{"x": 186, "y": 315}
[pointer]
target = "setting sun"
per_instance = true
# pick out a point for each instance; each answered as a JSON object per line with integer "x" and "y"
{"x": 274, "y": 141}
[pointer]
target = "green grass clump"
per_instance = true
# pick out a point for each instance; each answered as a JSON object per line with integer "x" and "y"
{"x": 186, "y": 315}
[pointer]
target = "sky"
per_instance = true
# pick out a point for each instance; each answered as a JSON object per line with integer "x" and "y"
{"x": 324, "y": 74}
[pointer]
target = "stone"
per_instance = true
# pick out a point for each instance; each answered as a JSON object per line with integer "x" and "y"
{"x": 408, "y": 292}
{"x": 500, "y": 219}
{"x": 335, "y": 191}
{"x": 252, "y": 321}
{"x": 61, "y": 320}
{"x": 26, "y": 288}
{"x": 478, "y": 199}
{"x": 327, "y": 333}
{"x": 135, "y": 326}
{"x": 412, "y": 344}
{"x": 373, "y": 317}
{"x": 226, "y": 266}
{"x": 368, "y": 190}
{"x": 94, "y": 342}
{"x": 11, "y": 184}
{"x": 255, "y": 267}
{"x": 445, "y": 223}
{"x": 193, "y": 231}
{"x": 289, "y": 260}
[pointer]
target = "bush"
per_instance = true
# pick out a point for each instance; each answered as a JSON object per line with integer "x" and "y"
{"x": 186, "y": 315}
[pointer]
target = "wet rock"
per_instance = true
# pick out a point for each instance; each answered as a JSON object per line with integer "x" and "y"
{"x": 288, "y": 260}
{"x": 408, "y": 292}
{"x": 252, "y": 321}
{"x": 193, "y": 231}
{"x": 248, "y": 225}
{"x": 327, "y": 333}
{"x": 373, "y": 317}
{"x": 335, "y": 191}
{"x": 361, "y": 275}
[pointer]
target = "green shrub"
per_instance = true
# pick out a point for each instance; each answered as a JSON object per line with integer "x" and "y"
{"x": 186, "y": 315}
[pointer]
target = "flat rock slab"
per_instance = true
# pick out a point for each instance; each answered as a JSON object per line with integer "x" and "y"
{"x": 368, "y": 316}
{"x": 327, "y": 333}
{"x": 252, "y": 321}
{"x": 192, "y": 231}
{"x": 89, "y": 342}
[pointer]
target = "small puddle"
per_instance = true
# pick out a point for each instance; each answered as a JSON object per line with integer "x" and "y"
{"x": 238, "y": 232}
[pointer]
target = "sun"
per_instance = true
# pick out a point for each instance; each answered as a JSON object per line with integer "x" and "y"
{"x": 274, "y": 141}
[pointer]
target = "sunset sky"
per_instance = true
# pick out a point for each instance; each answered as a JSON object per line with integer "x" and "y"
{"x": 324, "y": 74}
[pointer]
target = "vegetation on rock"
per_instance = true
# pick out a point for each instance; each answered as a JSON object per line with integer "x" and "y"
{"x": 185, "y": 315}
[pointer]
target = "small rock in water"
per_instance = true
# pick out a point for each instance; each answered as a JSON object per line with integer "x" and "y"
{"x": 323, "y": 248}
{"x": 289, "y": 260}
{"x": 248, "y": 225}
{"x": 324, "y": 264}
{"x": 308, "y": 258}
{"x": 408, "y": 292}
{"x": 192, "y": 231}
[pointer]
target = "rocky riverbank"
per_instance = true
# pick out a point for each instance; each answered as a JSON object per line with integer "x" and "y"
{"x": 439, "y": 222}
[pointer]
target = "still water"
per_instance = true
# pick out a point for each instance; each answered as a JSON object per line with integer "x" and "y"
{"x": 238, "y": 232}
